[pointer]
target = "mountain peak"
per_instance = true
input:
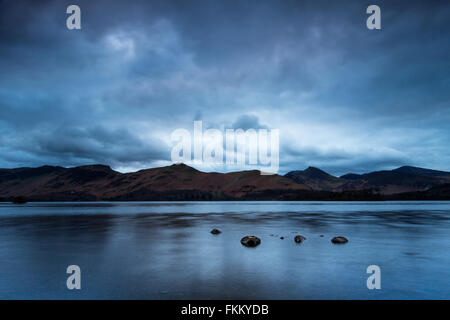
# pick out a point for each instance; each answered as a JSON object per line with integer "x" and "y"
{"x": 95, "y": 167}
{"x": 314, "y": 178}
{"x": 313, "y": 169}
{"x": 182, "y": 166}
{"x": 313, "y": 172}
{"x": 421, "y": 171}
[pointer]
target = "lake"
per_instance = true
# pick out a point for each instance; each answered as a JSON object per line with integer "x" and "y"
{"x": 164, "y": 250}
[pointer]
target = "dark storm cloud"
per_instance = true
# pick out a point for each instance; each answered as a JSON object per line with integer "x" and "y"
{"x": 97, "y": 143}
{"x": 344, "y": 98}
{"x": 248, "y": 121}
{"x": 72, "y": 146}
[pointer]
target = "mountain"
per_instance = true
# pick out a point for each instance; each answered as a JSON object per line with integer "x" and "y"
{"x": 314, "y": 178}
{"x": 386, "y": 182}
{"x": 422, "y": 171}
{"x": 181, "y": 182}
{"x": 400, "y": 180}
{"x": 175, "y": 182}
{"x": 56, "y": 183}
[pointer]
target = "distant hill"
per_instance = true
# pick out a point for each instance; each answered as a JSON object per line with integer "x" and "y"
{"x": 181, "y": 182}
{"x": 98, "y": 182}
{"x": 315, "y": 178}
{"x": 386, "y": 182}
{"x": 395, "y": 181}
{"x": 422, "y": 171}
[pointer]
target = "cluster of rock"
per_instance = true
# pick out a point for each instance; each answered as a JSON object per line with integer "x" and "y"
{"x": 299, "y": 239}
{"x": 339, "y": 240}
{"x": 250, "y": 241}
{"x": 253, "y": 241}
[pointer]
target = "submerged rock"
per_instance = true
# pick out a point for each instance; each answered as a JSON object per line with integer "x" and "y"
{"x": 321, "y": 235}
{"x": 250, "y": 241}
{"x": 339, "y": 240}
{"x": 299, "y": 239}
{"x": 215, "y": 231}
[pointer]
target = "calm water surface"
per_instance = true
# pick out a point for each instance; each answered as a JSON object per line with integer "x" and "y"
{"x": 163, "y": 250}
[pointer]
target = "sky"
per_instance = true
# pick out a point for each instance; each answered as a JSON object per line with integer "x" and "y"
{"x": 344, "y": 98}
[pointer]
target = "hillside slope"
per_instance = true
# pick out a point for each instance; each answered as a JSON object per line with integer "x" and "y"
{"x": 98, "y": 182}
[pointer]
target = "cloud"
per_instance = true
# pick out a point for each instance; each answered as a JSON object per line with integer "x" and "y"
{"x": 86, "y": 145}
{"x": 343, "y": 97}
{"x": 248, "y": 121}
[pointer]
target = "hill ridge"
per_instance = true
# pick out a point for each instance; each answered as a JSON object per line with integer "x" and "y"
{"x": 182, "y": 182}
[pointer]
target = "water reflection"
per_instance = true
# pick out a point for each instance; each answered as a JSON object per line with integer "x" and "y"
{"x": 165, "y": 250}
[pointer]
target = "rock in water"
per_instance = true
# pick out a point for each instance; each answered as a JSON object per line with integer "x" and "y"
{"x": 299, "y": 239}
{"x": 250, "y": 241}
{"x": 215, "y": 231}
{"x": 339, "y": 240}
